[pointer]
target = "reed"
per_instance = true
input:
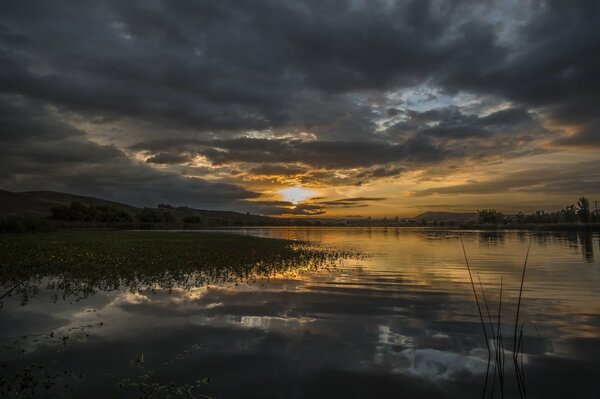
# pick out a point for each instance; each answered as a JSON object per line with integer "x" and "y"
{"x": 496, "y": 334}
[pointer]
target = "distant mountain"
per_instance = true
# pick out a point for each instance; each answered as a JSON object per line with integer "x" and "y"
{"x": 446, "y": 216}
{"x": 40, "y": 204}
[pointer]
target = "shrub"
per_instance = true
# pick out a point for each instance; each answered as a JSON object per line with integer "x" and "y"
{"x": 193, "y": 219}
{"x": 16, "y": 224}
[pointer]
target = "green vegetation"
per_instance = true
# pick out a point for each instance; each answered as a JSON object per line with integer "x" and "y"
{"x": 79, "y": 262}
{"x": 18, "y": 224}
{"x": 580, "y": 213}
{"x": 80, "y": 212}
{"x": 164, "y": 216}
{"x": 76, "y": 263}
{"x": 160, "y": 215}
{"x": 490, "y": 216}
{"x": 193, "y": 219}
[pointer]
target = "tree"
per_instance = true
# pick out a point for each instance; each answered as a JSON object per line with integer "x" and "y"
{"x": 193, "y": 219}
{"x": 112, "y": 214}
{"x": 583, "y": 210}
{"x": 490, "y": 216}
{"x": 520, "y": 218}
{"x": 568, "y": 214}
{"x": 151, "y": 215}
{"x": 75, "y": 212}
{"x": 81, "y": 212}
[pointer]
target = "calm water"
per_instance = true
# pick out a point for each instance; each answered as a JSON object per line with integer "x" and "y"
{"x": 401, "y": 323}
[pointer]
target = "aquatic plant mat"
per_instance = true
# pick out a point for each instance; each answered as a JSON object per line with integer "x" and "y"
{"x": 75, "y": 264}
{"x": 79, "y": 263}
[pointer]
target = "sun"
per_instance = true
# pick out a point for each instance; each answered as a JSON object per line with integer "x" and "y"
{"x": 295, "y": 194}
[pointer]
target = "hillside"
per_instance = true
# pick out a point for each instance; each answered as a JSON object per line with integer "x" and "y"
{"x": 446, "y": 216}
{"x": 39, "y": 204}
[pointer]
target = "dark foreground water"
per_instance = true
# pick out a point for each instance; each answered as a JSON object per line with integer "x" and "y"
{"x": 400, "y": 323}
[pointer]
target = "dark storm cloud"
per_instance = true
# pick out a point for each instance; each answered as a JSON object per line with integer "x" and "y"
{"x": 314, "y": 207}
{"x": 450, "y": 123}
{"x": 175, "y": 144}
{"x": 575, "y": 178}
{"x": 194, "y": 77}
{"x": 586, "y": 136}
{"x": 324, "y": 154}
{"x": 230, "y": 65}
{"x": 381, "y": 172}
{"x": 277, "y": 169}
{"x": 315, "y": 153}
{"x": 166, "y": 158}
{"x": 38, "y": 150}
{"x": 353, "y": 202}
{"x": 553, "y": 66}
{"x": 287, "y": 208}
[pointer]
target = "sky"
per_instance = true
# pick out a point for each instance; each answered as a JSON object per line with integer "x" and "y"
{"x": 304, "y": 108}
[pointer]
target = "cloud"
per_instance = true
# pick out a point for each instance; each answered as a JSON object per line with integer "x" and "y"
{"x": 351, "y": 202}
{"x": 557, "y": 179}
{"x": 277, "y": 169}
{"x": 323, "y": 154}
{"x": 65, "y": 159}
{"x": 166, "y": 158}
{"x": 381, "y": 172}
{"x": 287, "y": 208}
{"x": 338, "y": 93}
{"x": 314, "y": 206}
{"x": 354, "y": 202}
{"x": 155, "y": 61}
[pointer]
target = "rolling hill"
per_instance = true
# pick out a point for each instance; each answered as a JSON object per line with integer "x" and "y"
{"x": 462, "y": 217}
{"x": 39, "y": 204}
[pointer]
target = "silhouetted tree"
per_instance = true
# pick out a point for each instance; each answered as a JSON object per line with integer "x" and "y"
{"x": 193, "y": 219}
{"x": 540, "y": 216}
{"x": 520, "y": 218}
{"x": 112, "y": 214}
{"x": 490, "y": 216}
{"x": 81, "y": 212}
{"x": 568, "y": 214}
{"x": 75, "y": 212}
{"x": 150, "y": 215}
{"x": 583, "y": 209}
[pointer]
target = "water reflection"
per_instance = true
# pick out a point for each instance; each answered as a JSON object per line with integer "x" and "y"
{"x": 575, "y": 240}
{"x": 587, "y": 247}
{"x": 402, "y": 322}
{"x": 491, "y": 238}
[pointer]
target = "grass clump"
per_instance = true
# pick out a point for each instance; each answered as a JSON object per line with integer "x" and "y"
{"x": 18, "y": 224}
{"x": 495, "y": 335}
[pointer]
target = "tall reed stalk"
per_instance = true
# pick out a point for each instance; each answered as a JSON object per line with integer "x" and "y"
{"x": 496, "y": 334}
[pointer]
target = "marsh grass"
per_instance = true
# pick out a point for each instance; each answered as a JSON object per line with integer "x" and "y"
{"x": 20, "y": 224}
{"x": 496, "y": 336}
{"x": 75, "y": 264}
{"x": 79, "y": 263}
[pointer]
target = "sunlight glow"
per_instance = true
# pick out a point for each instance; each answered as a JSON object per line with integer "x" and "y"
{"x": 295, "y": 194}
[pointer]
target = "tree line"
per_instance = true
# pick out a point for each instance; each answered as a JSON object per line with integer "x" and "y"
{"x": 577, "y": 213}
{"x": 80, "y": 212}
{"x": 163, "y": 214}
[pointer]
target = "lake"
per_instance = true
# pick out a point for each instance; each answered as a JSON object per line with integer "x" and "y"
{"x": 401, "y": 321}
